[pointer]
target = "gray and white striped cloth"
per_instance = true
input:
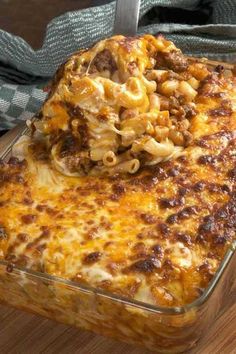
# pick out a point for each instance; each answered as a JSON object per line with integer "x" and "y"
{"x": 24, "y": 71}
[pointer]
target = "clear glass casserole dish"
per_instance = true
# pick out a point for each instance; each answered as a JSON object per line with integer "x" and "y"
{"x": 161, "y": 329}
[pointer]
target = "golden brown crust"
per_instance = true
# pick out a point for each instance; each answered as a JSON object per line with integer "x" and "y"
{"x": 157, "y": 236}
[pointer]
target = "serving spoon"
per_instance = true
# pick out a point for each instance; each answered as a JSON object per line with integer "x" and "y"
{"x": 126, "y": 17}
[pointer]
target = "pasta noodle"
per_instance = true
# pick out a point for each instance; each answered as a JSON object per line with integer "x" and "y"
{"x": 109, "y": 159}
{"x": 169, "y": 87}
{"x": 187, "y": 90}
{"x": 130, "y": 166}
{"x": 158, "y": 149}
{"x": 123, "y": 95}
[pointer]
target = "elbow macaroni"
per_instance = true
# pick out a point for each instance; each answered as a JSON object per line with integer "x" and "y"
{"x": 116, "y": 90}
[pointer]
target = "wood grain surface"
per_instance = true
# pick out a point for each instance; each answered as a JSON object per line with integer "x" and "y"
{"x": 21, "y": 332}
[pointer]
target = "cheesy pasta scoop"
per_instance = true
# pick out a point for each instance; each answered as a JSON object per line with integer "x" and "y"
{"x": 123, "y": 104}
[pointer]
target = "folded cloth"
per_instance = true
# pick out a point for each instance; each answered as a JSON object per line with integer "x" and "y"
{"x": 199, "y": 27}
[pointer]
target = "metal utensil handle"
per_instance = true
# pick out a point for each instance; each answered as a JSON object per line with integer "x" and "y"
{"x": 8, "y": 139}
{"x": 126, "y": 17}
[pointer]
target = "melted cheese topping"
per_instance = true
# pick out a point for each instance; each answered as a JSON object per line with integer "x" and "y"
{"x": 122, "y": 104}
{"x": 157, "y": 236}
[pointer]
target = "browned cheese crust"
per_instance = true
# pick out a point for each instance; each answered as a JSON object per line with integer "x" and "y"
{"x": 157, "y": 236}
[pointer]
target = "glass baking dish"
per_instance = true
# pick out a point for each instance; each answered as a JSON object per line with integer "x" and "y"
{"x": 165, "y": 330}
{"x": 161, "y": 329}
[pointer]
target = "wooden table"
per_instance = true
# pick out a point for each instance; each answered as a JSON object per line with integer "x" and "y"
{"x": 21, "y": 332}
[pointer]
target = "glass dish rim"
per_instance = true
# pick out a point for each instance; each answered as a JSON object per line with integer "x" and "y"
{"x": 12, "y": 136}
{"x": 176, "y": 310}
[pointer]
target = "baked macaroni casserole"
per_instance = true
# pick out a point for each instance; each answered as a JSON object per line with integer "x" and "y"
{"x": 127, "y": 182}
{"x": 124, "y": 104}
